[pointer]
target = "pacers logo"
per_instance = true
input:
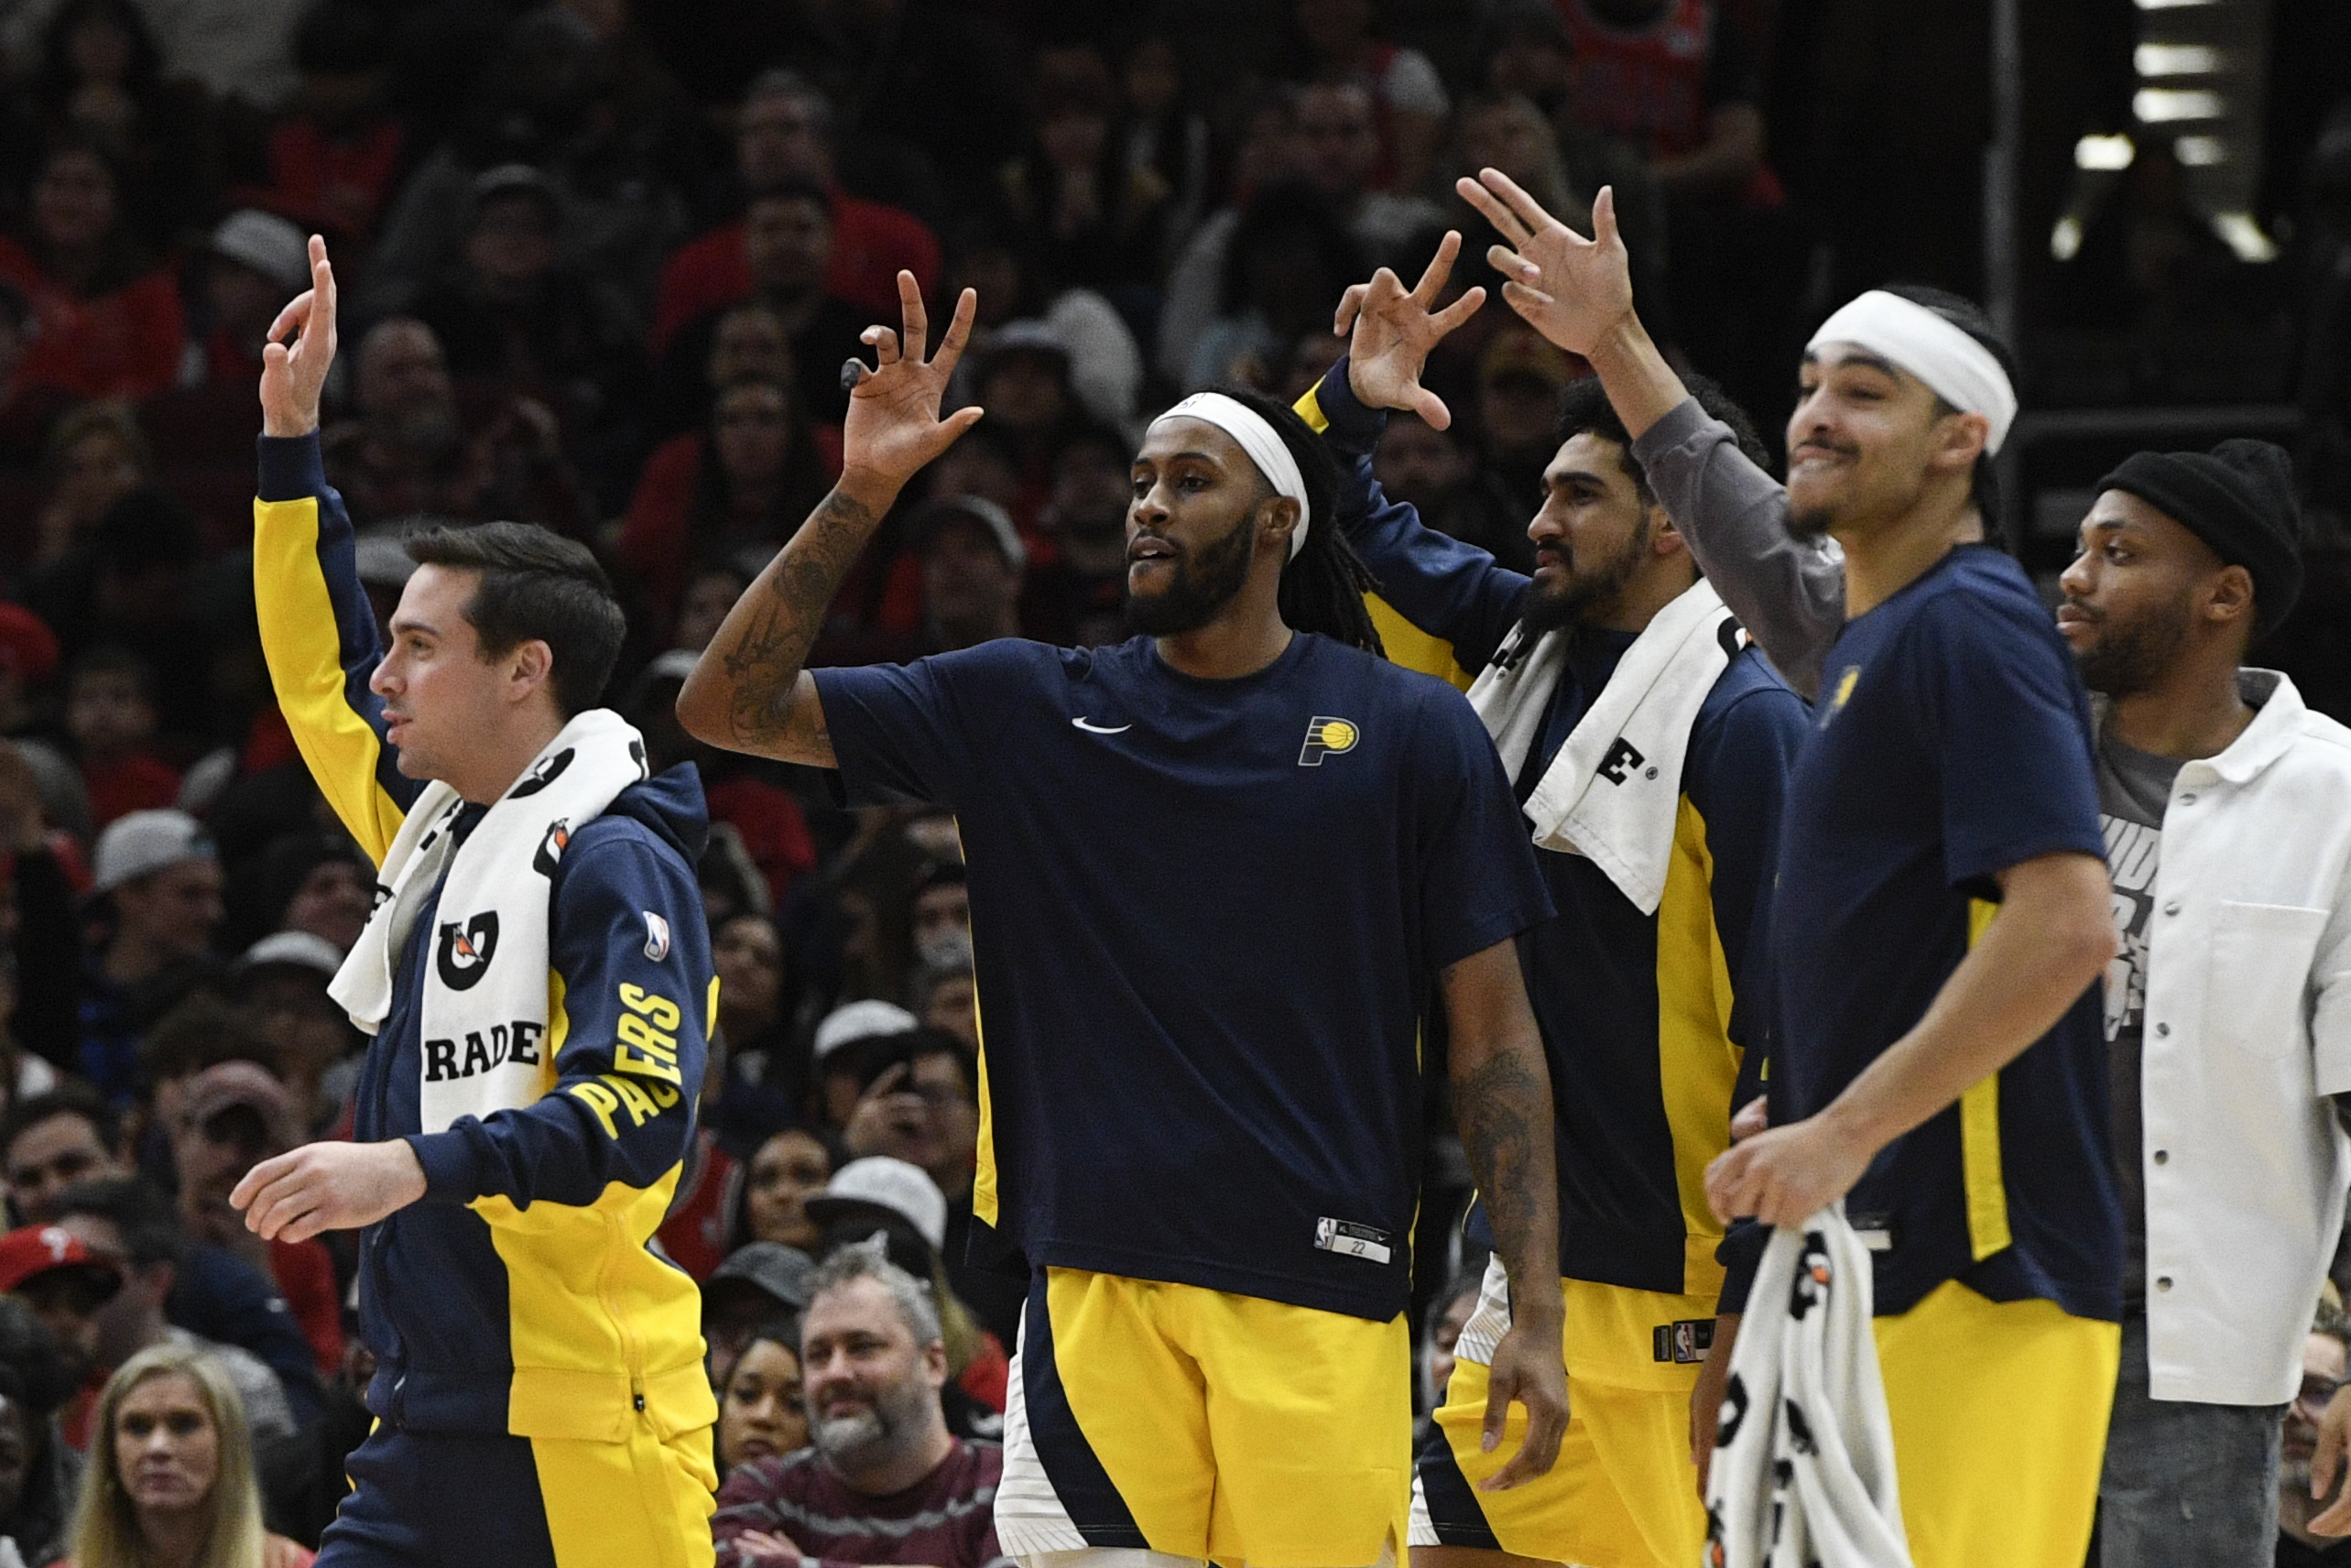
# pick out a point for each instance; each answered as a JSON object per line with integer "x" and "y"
{"x": 1327, "y": 738}
{"x": 1842, "y": 695}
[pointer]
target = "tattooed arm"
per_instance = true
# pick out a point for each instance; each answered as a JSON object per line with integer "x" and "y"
{"x": 748, "y": 692}
{"x": 1502, "y": 1100}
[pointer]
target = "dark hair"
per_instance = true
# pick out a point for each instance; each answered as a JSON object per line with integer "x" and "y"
{"x": 1288, "y": 212}
{"x": 1323, "y": 586}
{"x": 67, "y": 1100}
{"x": 151, "y": 1232}
{"x": 340, "y": 37}
{"x": 202, "y": 1031}
{"x": 146, "y": 529}
{"x": 113, "y": 659}
{"x": 783, "y": 1329}
{"x": 1984, "y": 484}
{"x": 536, "y": 586}
{"x": 1584, "y": 410}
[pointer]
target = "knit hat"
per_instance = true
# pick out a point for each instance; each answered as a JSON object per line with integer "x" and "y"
{"x": 2237, "y": 498}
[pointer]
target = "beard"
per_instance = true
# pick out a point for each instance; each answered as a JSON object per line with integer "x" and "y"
{"x": 1205, "y": 581}
{"x": 896, "y": 1413}
{"x": 2130, "y": 657}
{"x": 1585, "y": 594}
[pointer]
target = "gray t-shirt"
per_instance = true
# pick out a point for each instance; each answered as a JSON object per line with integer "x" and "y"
{"x": 2134, "y": 786}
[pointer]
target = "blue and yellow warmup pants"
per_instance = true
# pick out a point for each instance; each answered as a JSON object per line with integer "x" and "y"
{"x": 449, "y": 1500}
{"x": 1203, "y": 1425}
{"x": 1999, "y": 1412}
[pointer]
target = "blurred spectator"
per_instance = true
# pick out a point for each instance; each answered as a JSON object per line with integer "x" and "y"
{"x": 110, "y": 714}
{"x": 784, "y": 135}
{"x": 1520, "y": 380}
{"x": 2323, "y": 1372}
{"x": 787, "y": 1167}
{"x": 237, "y": 1115}
{"x": 128, "y": 585}
{"x": 1105, "y": 368}
{"x": 95, "y": 455}
{"x": 1681, "y": 81}
{"x": 885, "y": 1481}
{"x": 787, "y": 246}
{"x": 241, "y": 50}
{"x": 123, "y": 1225}
{"x": 748, "y": 957}
{"x": 1022, "y": 377}
{"x": 332, "y": 161}
{"x": 1421, "y": 467}
{"x": 317, "y": 882}
{"x": 971, "y": 563}
{"x": 1335, "y": 41}
{"x": 1166, "y": 136}
{"x": 109, "y": 324}
{"x": 1289, "y": 260}
{"x": 710, "y": 590}
{"x": 734, "y": 495}
{"x": 38, "y": 1475}
{"x": 258, "y": 261}
{"x": 770, "y": 828}
{"x": 102, "y": 80}
{"x": 1327, "y": 137}
{"x": 550, "y": 99}
{"x": 949, "y": 1003}
{"x": 942, "y": 915}
{"x": 751, "y": 343}
{"x": 1094, "y": 218}
{"x": 759, "y": 1282}
{"x": 510, "y": 311}
{"x": 840, "y": 1081}
{"x": 51, "y": 1145}
{"x": 1449, "y": 1313}
{"x": 760, "y": 1410}
{"x": 26, "y": 411}
{"x": 281, "y": 983}
{"x": 49, "y": 1142}
{"x": 171, "y": 1482}
{"x": 1078, "y": 598}
{"x": 161, "y": 883}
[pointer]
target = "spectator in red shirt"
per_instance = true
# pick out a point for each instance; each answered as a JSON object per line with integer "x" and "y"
{"x": 738, "y": 491}
{"x": 333, "y": 162}
{"x": 256, "y": 262}
{"x": 885, "y": 1482}
{"x": 109, "y": 322}
{"x": 110, "y": 714}
{"x": 783, "y": 134}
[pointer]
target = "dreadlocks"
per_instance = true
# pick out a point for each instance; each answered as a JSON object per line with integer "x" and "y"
{"x": 1323, "y": 585}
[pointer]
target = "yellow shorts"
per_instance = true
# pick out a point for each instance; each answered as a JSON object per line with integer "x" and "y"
{"x": 1624, "y": 1494}
{"x": 1203, "y": 1425}
{"x": 1999, "y": 1415}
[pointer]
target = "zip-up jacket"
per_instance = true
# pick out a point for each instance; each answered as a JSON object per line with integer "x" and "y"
{"x": 521, "y": 1294}
{"x": 1648, "y": 1018}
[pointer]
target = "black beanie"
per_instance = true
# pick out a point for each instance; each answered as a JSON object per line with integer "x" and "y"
{"x": 2237, "y": 498}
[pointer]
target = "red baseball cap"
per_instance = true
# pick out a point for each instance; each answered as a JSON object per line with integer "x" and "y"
{"x": 34, "y": 1250}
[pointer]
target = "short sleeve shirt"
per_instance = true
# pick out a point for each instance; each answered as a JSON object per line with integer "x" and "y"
{"x": 1952, "y": 742}
{"x": 1206, "y": 917}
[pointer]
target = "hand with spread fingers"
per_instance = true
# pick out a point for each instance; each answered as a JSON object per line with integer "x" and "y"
{"x": 1393, "y": 331}
{"x": 893, "y": 428}
{"x": 1573, "y": 290}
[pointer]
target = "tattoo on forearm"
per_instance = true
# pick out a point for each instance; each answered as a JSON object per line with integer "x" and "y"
{"x": 763, "y": 667}
{"x": 1504, "y": 1109}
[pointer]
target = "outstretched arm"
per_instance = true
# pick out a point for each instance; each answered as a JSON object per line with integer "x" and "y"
{"x": 1502, "y": 1098}
{"x": 1788, "y": 592}
{"x": 748, "y": 692}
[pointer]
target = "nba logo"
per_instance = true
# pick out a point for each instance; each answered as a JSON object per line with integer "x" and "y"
{"x": 1325, "y": 1232}
{"x": 1685, "y": 1343}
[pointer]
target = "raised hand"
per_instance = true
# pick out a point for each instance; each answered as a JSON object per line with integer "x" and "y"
{"x": 1394, "y": 330}
{"x": 293, "y": 369}
{"x": 893, "y": 427}
{"x": 1571, "y": 289}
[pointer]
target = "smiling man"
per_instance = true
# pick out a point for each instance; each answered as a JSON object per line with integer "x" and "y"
{"x": 1941, "y": 905}
{"x": 1213, "y": 872}
{"x": 536, "y": 978}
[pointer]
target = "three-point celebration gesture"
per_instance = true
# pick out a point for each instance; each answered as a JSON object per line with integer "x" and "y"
{"x": 749, "y": 692}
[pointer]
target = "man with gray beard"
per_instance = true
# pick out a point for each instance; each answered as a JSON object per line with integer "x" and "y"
{"x": 885, "y": 1482}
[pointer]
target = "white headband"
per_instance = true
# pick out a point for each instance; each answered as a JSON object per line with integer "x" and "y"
{"x": 1261, "y": 442}
{"x": 1954, "y": 367}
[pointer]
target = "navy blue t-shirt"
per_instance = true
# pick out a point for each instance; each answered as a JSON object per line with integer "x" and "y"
{"x": 1206, "y": 916}
{"x": 1952, "y": 741}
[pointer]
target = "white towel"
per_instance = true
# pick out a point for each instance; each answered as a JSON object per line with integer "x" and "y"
{"x": 483, "y": 1017}
{"x": 1804, "y": 1472}
{"x": 1613, "y": 792}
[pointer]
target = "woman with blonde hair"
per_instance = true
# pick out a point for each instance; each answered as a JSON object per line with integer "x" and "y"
{"x": 170, "y": 1481}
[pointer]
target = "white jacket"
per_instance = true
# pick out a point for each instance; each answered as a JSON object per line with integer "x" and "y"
{"x": 2248, "y": 1029}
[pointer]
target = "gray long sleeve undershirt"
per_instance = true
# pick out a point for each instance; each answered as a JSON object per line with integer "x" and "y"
{"x": 1788, "y": 592}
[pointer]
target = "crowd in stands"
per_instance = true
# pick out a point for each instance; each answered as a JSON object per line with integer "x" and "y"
{"x": 602, "y": 271}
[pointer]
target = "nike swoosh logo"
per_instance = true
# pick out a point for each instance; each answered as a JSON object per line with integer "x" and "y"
{"x": 1101, "y": 729}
